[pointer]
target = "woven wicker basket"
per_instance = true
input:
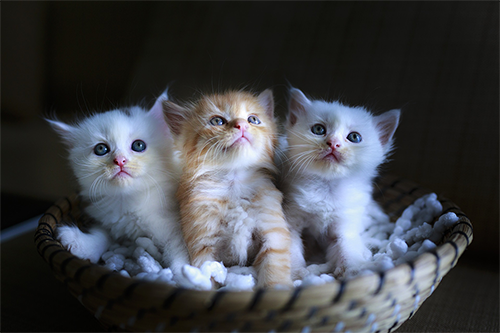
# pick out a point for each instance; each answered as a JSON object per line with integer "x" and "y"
{"x": 370, "y": 303}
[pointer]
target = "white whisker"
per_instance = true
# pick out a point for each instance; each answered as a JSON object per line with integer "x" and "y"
{"x": 95, "y": 190}
{"x": 159, "y": 189}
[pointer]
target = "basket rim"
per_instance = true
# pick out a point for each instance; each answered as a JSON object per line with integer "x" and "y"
{"x": 455, "y": 240}
{"x": 408, "y": 284}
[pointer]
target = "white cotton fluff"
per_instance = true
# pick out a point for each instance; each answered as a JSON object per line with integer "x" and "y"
{"x": 196, "y": 277}
{"x": 243, "y": 270}
{"x": 132, "y": 267}
{"x": 214, "y": 269}
{"x": 444, "y": 222}
{"x": 237, "y": 282}
{"x": 318, "y": 269}
{"x": 391, "y": 244}
{"x": 146, "y": 261}
{"x": 382, "y": 262}
{"x": 427, "y": 245}
{"x": 149, "y": 246}
{"x": 397, "y": 248}
{"x": 115, "y": 262}
{"x": 124, "y": 273}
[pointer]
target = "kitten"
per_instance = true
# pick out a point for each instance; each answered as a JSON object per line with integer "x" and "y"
{"x": 332, "y": 158}
{"x": 123, "y": 162}
{"x": 230, "y": 209}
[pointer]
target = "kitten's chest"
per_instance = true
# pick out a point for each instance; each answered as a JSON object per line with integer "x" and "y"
{"x": 238, "y": 211}
{"x": 233, "y": 198}
{"x": 236, "y": 222}
{"x": 238, "y": 218}
{"x": 119, "y": 221}
{"x": 327, "y": 202}
{"x": 316, "y": 197}
{"x": 330, "y": 198}
{"x": 125, "y": 217}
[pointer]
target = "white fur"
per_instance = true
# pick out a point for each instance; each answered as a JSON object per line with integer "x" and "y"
{"x": 139, "y": 205}
{"x": 333, "y": 199}
{"x": 84, "y": 245}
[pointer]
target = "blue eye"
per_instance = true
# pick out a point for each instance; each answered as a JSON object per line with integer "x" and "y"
{"x": 254, "y": 120}
{"x": 218, "y": 121}
{"x": 354, "y": 137}
{"x": 101, "y": 149}
{"x": 138, "y": 146}
{"x": 318, "y": 129}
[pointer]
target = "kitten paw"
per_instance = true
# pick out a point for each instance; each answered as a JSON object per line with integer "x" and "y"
{"x": 339, "y": 272}
{"x": 348, "y": 268}
{"x": 280, "y": 282}
{"x": 85, "y": 246}
{"x": 300, "y": 273}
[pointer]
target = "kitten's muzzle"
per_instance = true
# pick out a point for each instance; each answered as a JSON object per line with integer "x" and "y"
{"x": 241, "y": 124}
{"x": 242, "y": 136}
{"x": 332, "y": 155}
{"x": 120, "y": 161}
{"x": 334, "y": 143}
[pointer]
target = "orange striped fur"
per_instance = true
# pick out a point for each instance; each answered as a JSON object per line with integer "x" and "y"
{"x": 230, "y": 209}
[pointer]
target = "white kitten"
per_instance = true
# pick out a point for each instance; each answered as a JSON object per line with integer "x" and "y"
{"x": 332, "y": 157}
{"x": 123, "y": 162}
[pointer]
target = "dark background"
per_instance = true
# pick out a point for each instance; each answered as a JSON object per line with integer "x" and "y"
{"x": 438, "y": 61}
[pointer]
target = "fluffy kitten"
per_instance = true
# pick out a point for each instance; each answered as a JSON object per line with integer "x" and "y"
{"x": 332, "y": 157}
{"x": 230, "y": 209}
{"x": 122, "y": 160}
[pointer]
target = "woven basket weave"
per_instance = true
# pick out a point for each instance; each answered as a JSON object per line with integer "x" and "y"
{"x": 370, "y": 303}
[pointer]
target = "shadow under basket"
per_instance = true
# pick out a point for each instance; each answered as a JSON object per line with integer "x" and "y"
{"x": 369, "y": 303}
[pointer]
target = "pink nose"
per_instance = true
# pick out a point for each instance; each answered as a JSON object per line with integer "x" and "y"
{"x": 120, "y": 161}
{"x": 241, "y": 124}
{"x": 333, "y": 143}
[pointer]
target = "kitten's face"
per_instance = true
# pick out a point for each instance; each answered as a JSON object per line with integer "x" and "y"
{"x": 231, "y": 130}
{"x": 117, "y": 151}
{"x": 333, "y": 140}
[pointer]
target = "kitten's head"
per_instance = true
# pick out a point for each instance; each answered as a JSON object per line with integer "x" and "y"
{"x": 230, "y": 130}
{"x": 333, "y": 140}
{"x": 118, "y": 151}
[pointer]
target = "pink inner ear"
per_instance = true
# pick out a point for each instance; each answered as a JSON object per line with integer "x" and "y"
{"x": 385, "y": 134}
{"x": 295, "y": 108}
{"x": 387, "y": 124}
{"x": 163, "y": 123}
{"x": 65, "y": 131}
{"x": 292, "y": 118}
{"x": 296, "y": 105}
{"x": 174, "y": 116}
{"x": 267, "y": 101}
{"x": 157, "y": 113}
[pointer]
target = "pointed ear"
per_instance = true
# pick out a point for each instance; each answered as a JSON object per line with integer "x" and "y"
{"x": 65, "y": 131}
{"x": 386, "y": 124}
{"x": 266, "y": 99}
{"x": 157, "y": 111}
{"x": 175, "y": 115}
{"x": 297, "y": 105}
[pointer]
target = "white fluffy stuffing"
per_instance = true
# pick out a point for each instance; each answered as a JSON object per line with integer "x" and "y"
{"x": 391, "y": 244}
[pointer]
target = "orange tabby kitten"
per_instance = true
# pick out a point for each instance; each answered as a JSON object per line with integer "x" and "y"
{"x": 230, "y": 209}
